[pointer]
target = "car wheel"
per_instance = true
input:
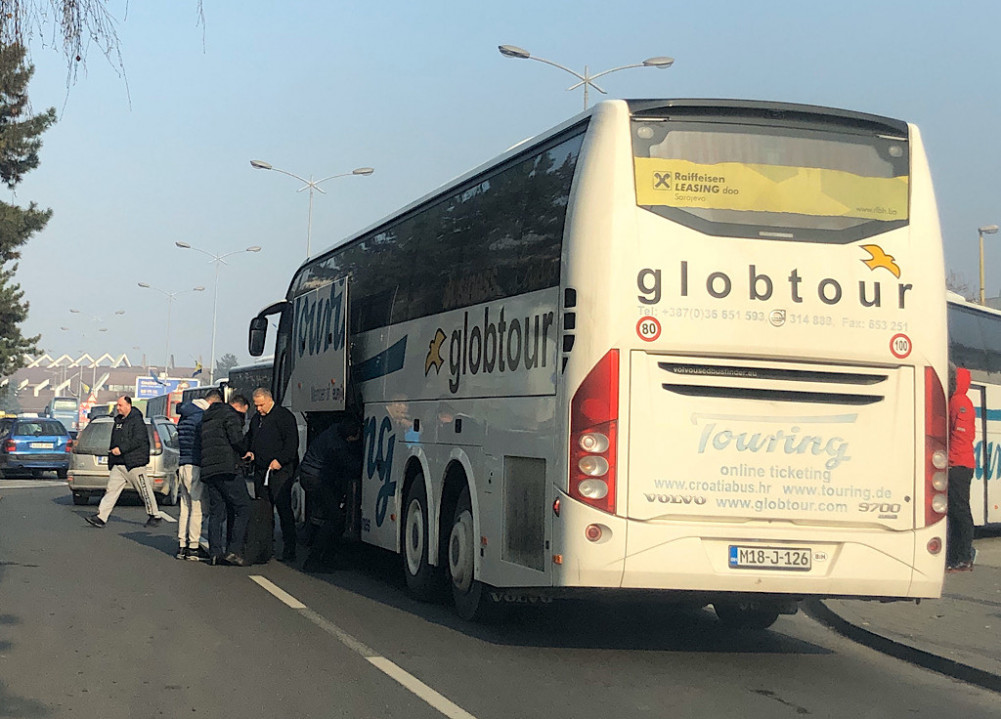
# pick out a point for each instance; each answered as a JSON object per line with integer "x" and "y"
{"x": 62, "y": 473}
{"x": 36, "y": 473}
{"x": 81, "y": 498}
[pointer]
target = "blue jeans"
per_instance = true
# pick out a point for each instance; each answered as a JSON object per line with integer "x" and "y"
{"x": 227, "y": 491}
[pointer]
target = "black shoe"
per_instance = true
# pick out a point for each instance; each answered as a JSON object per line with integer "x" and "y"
{"x": 154, "y": 520}
{"x": 198, "y": 555}
{"x": 95, "y": 521}
{"x": 236, "y": 560}
{"x": 182, "y": 553}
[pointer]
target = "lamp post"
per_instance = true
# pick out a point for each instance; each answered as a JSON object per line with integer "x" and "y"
{"x": 170, "y": 302}
{"x": 587, "y": 79}
{"x": 310, "y": 185}
{"x": 218, "y": 260}
{"x": 985, "y": 230}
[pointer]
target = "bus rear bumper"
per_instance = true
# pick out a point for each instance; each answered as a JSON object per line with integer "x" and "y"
{"x": 696, "y": 557}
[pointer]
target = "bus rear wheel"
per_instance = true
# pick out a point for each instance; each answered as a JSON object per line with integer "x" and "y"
{"x": 473, "y": 601}
{"x": 423, "y": 580}
{"x": 746, "y": 614}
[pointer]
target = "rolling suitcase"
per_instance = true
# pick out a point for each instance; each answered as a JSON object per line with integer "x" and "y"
{"x": 259, "y": 545}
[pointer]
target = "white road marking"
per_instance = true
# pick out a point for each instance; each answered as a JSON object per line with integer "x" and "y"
{"x": 278, "y": 592}
{"x": 31, "y": 483}
{"x": 164, "y": 515}
{"x": 421, "y": 689}
{"x": 393, "y": 671}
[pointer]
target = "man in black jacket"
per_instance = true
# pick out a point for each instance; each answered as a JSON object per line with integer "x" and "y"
{"x": 332, "y": 462}
{"x": 128, "y": 455}
{"x": 222, "y": 444}
{"x": 273, "y": 446}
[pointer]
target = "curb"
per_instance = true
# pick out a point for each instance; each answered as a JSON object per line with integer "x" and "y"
{"x": 817, "y": 610}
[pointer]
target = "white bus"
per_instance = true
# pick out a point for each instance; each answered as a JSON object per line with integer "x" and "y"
{"x": 684, "y": 345}
{"x": 975, "y": 343}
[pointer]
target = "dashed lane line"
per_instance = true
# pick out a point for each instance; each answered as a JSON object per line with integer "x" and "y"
{"x": 31, "y": 483}
{"x": 387, "y": 667}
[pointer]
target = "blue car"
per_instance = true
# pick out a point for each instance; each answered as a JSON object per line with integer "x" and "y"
{"x": 32, "y": 445}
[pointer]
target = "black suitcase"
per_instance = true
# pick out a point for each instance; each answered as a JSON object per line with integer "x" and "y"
{"x": 259, "y": 545}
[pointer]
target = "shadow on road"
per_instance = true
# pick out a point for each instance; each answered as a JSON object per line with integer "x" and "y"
{"x": 635, "y": 623}
{"x": 10, "y": 704}
{"x": 639, "y": 622}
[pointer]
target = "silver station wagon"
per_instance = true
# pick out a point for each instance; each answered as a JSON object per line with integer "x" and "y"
{"x": 88, "y": 470}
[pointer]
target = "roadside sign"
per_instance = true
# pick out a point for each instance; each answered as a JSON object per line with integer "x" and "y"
{"x": 150, "y": 387}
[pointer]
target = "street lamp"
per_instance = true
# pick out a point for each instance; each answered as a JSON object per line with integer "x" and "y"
{"x": 985, "y": 230}
{"x": 310, "y": 185}
{"x": 218, "y": 260}
{"x": 587, "y": 79}
{"x": 170, "y": 302}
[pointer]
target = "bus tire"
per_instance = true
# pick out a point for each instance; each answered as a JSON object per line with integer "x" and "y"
{"x": 423, "y": 580}
{"x": 473, "y": 601}
{"x": 746, "y": 614}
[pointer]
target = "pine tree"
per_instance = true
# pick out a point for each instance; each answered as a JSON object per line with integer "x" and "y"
{"x": 19, "y": 145}
{"x": 224, "y": 364}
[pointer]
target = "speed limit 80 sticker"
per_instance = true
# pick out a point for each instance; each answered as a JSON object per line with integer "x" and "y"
{"x": 648, "y": 329}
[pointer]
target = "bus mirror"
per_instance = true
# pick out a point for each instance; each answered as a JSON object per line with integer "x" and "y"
{"x": 258, "y": 334}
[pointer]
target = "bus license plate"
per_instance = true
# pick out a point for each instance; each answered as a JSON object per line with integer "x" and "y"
{"x": 770, "y": 558}
{"x": 102, "y": 459}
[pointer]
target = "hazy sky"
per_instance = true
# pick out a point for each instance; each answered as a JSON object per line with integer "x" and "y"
{"x": 418, "y": 91}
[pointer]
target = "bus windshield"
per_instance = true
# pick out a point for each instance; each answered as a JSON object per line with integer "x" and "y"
{"x": 774, "y": 182}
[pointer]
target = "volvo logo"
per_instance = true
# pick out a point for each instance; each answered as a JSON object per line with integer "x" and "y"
{"x": 777, "y": 317}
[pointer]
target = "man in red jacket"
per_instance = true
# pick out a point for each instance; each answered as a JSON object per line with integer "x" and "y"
{"x": 962, "y": 430}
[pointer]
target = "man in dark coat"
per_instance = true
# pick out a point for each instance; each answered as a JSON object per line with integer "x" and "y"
{"x": 332, "y": 461}
{"x": 128, "y": 455}
{"x": 189, "y": 439}
{"x": 222, "y": 445}
{"x": 273, "y": 446}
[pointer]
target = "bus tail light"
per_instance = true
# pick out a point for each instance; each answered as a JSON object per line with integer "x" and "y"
{"x": 936, "y": 449}
{"x": 594, "y": 413}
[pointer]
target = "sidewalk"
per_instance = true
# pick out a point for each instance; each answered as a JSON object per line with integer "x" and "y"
{"x": 958, "y": 635}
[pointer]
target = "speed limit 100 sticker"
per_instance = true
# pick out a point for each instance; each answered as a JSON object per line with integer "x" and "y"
{"x": 900, "y": 346}
{"x": 648, "y": 329}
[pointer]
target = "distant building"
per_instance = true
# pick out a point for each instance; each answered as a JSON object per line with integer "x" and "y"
{"x": 107, "y": 377}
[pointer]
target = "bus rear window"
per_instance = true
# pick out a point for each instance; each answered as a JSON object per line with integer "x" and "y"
{"x": 784, "y": 183}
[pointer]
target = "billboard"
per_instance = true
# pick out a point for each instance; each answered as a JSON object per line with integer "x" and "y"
{"x": 150, "y": 387}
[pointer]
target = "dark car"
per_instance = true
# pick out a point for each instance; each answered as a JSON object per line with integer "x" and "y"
{"x": 89, "y": 460}
{"x": 32, "y": 445}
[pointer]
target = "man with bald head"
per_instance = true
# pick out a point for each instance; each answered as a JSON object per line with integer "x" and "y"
{"x": 128, "y": 455}
{"x": 273, "y": 444}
